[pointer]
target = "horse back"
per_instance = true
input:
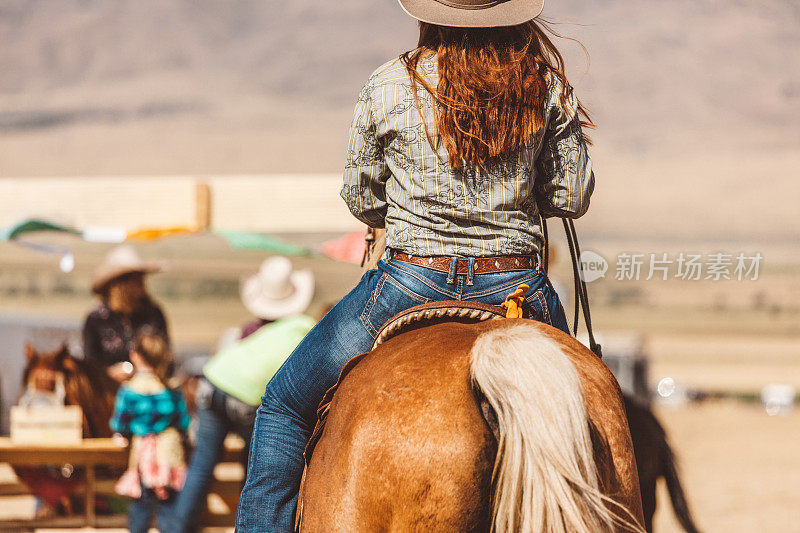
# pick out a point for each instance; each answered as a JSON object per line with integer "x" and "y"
{"x": 405, "y": 447}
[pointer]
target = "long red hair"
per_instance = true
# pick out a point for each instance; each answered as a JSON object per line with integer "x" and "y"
{"x": 492, "y": 88}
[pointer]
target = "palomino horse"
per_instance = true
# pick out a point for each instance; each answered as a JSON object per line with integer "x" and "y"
{"x": 654, "y": 457}
{"x": 406, "y": 447}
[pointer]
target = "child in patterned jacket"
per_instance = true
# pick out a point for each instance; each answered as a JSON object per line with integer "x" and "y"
{"x": 153, "y": 418}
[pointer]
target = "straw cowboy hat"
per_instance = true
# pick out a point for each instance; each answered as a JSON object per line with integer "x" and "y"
{"x": 119, "y": 262}
{"x": 277, "y": 290}
{"x": 473, "y": 13}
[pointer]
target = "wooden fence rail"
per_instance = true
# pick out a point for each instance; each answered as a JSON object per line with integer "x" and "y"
{"x": 90, "y": 454}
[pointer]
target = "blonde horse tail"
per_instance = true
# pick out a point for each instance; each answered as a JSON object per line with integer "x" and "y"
{"x": 545, "y": 478}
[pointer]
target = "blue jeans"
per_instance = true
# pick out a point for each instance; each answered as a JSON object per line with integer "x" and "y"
{"x": 141, "y": 510}
{"x": 287, "y": 414}
{"x": 214, "y": 424}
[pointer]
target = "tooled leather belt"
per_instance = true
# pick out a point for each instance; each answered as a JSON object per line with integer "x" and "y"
{"x": 483, "y": 265}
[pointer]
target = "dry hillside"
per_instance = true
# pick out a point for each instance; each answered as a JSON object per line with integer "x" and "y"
{"x": 698, "y": 100}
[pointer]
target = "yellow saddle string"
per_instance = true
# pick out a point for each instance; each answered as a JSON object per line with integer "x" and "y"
{"x": 513, "y": 303}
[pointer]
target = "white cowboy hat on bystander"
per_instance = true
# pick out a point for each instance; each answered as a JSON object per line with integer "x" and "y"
{"x": 277, "y": 290}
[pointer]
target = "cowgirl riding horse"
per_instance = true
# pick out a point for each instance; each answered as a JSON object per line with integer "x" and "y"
{"x": 459, "y": 148}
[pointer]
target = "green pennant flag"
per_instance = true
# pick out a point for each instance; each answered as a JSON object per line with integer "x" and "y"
{"x": 32, "y": 225}
{"x": 245, "y": 240}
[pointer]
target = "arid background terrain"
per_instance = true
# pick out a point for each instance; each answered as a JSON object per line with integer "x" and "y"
{"x": 697, "y": 150}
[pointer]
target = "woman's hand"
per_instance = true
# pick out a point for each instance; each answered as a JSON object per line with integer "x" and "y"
{"x": 121, "y": 371}
{"x": 119, "y": 440}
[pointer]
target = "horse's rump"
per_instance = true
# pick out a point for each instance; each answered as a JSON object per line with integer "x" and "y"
{"x": 405, "y": 447}
{"x": 387, "y": 410}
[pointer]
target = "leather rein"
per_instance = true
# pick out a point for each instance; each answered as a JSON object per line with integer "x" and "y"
{"x": 581, "y": 295}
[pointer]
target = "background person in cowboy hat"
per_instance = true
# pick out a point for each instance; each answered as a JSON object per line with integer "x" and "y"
{"x": 234, "y": 379}
{"x": 252, "y": 290}
{"x": 458, "y": 148}
{"x": 125, "y": 309}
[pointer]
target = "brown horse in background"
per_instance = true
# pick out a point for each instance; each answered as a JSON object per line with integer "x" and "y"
{"x": 406, "y": 447}
{"x": 84, "y": 385}
{"x": 654, "y": 459}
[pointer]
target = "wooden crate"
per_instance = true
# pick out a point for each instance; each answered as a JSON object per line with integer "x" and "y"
{"x": 46, "y": 426}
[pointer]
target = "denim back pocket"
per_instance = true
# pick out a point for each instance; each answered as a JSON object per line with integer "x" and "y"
{"x": 389, "y": 298}
{"x": 539, "y": 309}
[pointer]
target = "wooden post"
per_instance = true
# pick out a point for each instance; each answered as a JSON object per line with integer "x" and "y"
{"x": 203, "y": 206}
{"x": 91, "y": 518}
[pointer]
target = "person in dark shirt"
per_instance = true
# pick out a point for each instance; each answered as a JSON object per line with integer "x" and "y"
{"x": 125, "y": 310}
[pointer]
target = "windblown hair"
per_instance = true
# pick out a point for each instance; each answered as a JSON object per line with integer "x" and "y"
{"x": 493, "y": 88}
{"x": 545, "y": 477}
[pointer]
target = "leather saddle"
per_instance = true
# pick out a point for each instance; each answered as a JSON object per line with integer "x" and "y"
{"x": 435, "y": 313}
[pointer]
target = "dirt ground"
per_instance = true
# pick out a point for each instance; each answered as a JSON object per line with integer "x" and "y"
{"x": 740, "y": 468}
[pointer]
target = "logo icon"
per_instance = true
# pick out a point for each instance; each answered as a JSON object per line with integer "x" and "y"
{"x": 593, "y": 266}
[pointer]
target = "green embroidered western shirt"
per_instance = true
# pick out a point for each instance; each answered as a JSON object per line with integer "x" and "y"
{"x": 393, "y": 178}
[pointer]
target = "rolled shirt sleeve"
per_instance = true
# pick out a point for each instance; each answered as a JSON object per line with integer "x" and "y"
{"x": 564, "y": 181}
{"x": 366, "y": 172}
